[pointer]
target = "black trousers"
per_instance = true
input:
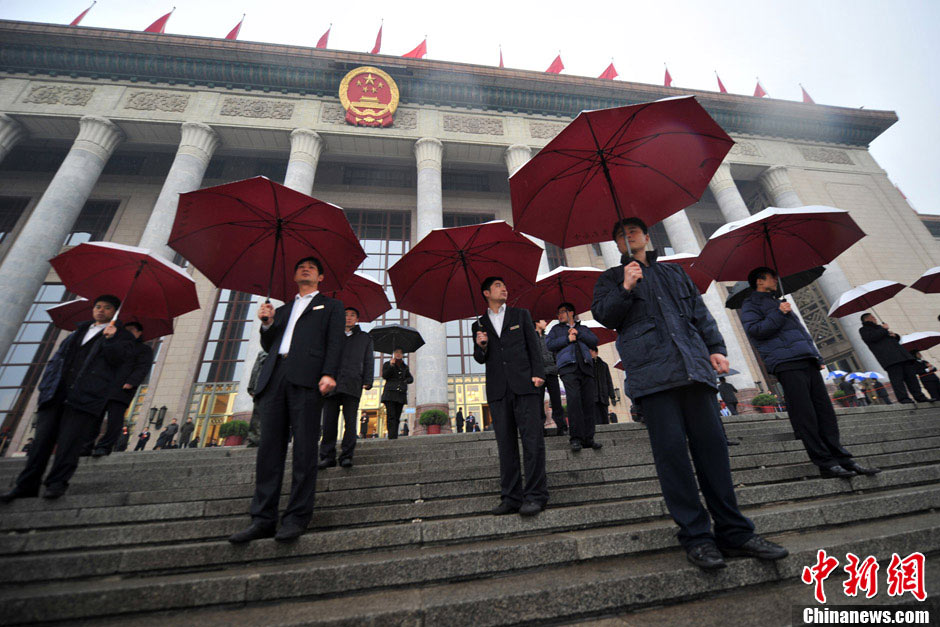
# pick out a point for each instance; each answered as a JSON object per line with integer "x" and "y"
{"x": 581, "y": 392}
{"x": 515, "y": 416}
{"x": 459, "y": 424}
{"x": 286, "y": 409}
{"x": 141, "y": 444}
{"x": 392, "y": 418}
{"x": 905, "y": 374}
{"x": 732, "y": 407}
{"x": 331, "y": 407}
{"x": 554, "y": 399}
{"x": 115, "y": 416}
{"x": 811, "y": 415}
{"x": 184, "y": 439}
{"x": 64, "y": 429}
{"x": 932, "y": 385}
{"x": 684, "y": 420}
{"x": 600, "y": 414}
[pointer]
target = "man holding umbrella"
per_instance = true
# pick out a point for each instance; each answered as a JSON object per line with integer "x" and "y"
{"x": 789, "y": 353}
{"x": 894, "y": 358}
{"x": 304, "y": 339}
{"x": 671, "y": 349}
{"x": 572, "y": 344}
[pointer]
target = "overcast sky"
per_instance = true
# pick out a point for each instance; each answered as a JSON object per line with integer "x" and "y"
{"x": 852, "y": 53}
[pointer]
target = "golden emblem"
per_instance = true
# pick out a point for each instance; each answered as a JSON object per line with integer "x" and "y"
{"x": 370, "y": 97}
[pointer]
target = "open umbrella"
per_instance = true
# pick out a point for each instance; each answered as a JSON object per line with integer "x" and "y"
{"x": 70, "y": 314}
{"x": 563, "y": 284}
{"x": 619, "y": 365}
{"x": 920, "y": 341}
{"x": 389, "y": 337}
{"x": 687, "y": 261}
{"x": 929, "y": 281}
{"x": 835, "y": 374}
{"x": 741, "y": 290}
{"x": 440, "y": 276}
{"x": 248, "y": 235}
{"x": 647, "y": 160}
{"x": 863, "y": 297}
{"x": 364, "y": 294}
{"x": 147, "y": 285}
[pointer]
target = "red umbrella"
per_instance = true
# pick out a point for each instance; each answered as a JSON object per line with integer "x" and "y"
{"x": 929, "y": 282}
{"x": 69, "y": 315}
{"x": 619, "y": 365}
{"x": 648, "y": 161}
{"x": 440, "y": 276}
{"x": 248, "y": 235}
{"x": 687, "y": 261}
{"x": 920, "y": 341}
{"x": 365, "y": 294}
{"x": 147, "y": 285}
{"x": 788, "y": 240}
{"x": 572, "y": 285}
{"x": 864, "y": 296}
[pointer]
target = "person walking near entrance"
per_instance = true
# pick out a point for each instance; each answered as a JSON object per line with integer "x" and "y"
{"x": 894, "y": 358}
{"x": 551, "y": 382}
{"x": 397, "y": 378}
{"x": 605, "y": 389}
{"x": 572, "y": 344}
{"x": 729, "y": 395}
{"x": 458, "y": 420}
{"x": 186, "y": 432}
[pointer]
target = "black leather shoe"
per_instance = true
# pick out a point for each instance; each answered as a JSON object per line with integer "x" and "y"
{"x": 560, "y": 431}
{"x": 907, "y": 401}
{"x": 505, "y": 507}
{"x": 255, "y": 532}
{"x": 734, "y": 442}
{"x": 100, "y": 452}
{"x": 861, "y": 470}
{"x": 530, "y": 509}
{"x": 346, "y": 463}
{"x": 836, "y": 472}
{"x": 54, "y": 491}
{"x": 593, "y": 445}
{"x": 706, "y": 556}
{"x": 757, "y": 547}
{"x": 17, "y": 493}
{"x": 289, "y": 532}
{"x": 326, "y": 463}
{"x": 575, "y": 446}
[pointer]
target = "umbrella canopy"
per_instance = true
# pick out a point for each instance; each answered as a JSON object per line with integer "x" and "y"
{"x": 920, "y": 341}
{"x": 741, "y": 290}
{"x": 835, "y": 374}
{"x": 604, "y": 335}
{"x": 440, "y": 276}
{"x": 929, "y": 282}
{"x": 69, "y": 315}
{"x": 687, "y": 261}
{"x": 873, "y": 375}
{"x": 389, "y": 337}
{"x": 563, "y": 284}
{"x": 864, "y": 296}
{"x": 147, "y": 285}
{"x": 788, "y": 240}
{"x": 249, "y": 235}
{"x": 647, "y": 160}
{"x": 857, "y": 376}
{"x": 365, "y": 294}
{"x": 619, "y": 365}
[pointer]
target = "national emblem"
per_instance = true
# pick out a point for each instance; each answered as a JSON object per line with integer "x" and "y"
{"x": 370, "y": 97}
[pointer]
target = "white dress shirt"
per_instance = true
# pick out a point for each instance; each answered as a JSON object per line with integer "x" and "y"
{"x": 92, "y": 331}
{"x": 300, "y": 303}
{"x": 497, "y": 318}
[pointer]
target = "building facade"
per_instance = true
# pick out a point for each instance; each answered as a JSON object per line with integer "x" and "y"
{"x": 100, "y": 130}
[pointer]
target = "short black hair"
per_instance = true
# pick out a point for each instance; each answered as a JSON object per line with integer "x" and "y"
{"x": 352, "y": 309}
{"x": 488, "y": 283}
{"x": 312, "y": 260}
{"x": 759, "y": 273}
{"x": 567, "y": 306}
{"x": 620, "y": 225}
{"x": 110, "y": 299}
{"x": 868, "y": 314}
{"x": 135, "y": 324}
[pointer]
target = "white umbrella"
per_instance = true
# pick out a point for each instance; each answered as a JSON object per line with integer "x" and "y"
{"x": 920, "y": 341}
{"x": 864, "y": 297}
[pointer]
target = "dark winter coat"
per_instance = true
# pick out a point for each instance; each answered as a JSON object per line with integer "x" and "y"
{"x": 186, "y": 431}
{"x": 884, "y": 345}
{"x": 665, "y": 334}
{"x": 564, "y": 350}
{"x": 779, "y": 337}
{"x": 603, "y": 381}
{"x": 134, "y": 371}
{"x": 548, "y": 358}
{"x": 397, "y": 377}
{"x": 357, "y": 364}
{"x": 727, "y": 392}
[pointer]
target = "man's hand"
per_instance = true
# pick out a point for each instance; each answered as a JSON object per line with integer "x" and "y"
{"x": 109, "y": 330}
{"x": 785, "y": 307}
{"x": 367, "y": 386}
{"x": 266, "y": 310}
{"x": 482, "y": 339}
{"x": 538, "y": 382}
{"x": 719, "y": 363}
{"x": 573, "y": 334}
{"x": 327, "y": 384}
{"x": 632, "y": 273}
{"x": 127, "y": 386}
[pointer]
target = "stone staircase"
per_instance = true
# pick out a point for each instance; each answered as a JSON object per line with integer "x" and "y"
{"x": 405, "y": 537}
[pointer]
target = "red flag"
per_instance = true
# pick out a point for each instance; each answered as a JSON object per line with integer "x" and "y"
{"x": 721, "y": 86}
{"x": 82, "y": 15}
{"x": 233, "y": 34}
{"x": 667, "y": 80}
{"x": 160, "y": 25}
{"x": 378, "y": 41}
{"x": 324, "y": 38}
{"x": 501, "y": 56}
{"x": 557, "y": 66}
{"x": 759, "y": 91}
{"x": 806, "y": 97}
{"x": 610, "y": 73}
{"x": 419, "y": 51}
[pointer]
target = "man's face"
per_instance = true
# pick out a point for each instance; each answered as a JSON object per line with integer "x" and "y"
{"x": 593, "y": 353}
{"x": 307, "y": 272}
{"x": 767, "y": 283}
{"x": 498, "y": 292}
{"x": 352, "y": 318}
{"x": 398, "y": 354}
{"x": 135, "y": 331}
{"x": 565, "y": 316}
{"x": 631, "y": 239}
{"x": 103, "y": 311}
{"x": 540, "y": 325}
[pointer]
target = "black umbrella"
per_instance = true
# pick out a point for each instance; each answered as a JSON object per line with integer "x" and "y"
{"x": 792, "y": 283}
{"x": 387, "y": 338}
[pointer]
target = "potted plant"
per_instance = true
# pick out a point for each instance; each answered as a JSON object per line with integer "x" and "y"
{"x": 843, "y": 398}
{"x": 765, "y": 402}
{"x": 233, "y": 432}
{"x": 433, "y": 419}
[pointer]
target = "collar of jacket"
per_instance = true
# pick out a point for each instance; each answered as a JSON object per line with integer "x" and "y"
{"x": 869, "y": 323}
{"x": 627, "y": 258}
{"x": 355, "y": 329}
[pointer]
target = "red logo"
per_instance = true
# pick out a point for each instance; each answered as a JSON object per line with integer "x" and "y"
{"x": 370, "y": 97}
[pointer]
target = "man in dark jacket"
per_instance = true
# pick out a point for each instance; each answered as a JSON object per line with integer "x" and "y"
{"x": 551, "y": 382}
{"x": 894, "y": 358}
{"x": 506, "y": 343}
{"x": 729, "y": 395}
{"x": 186, "y": 433}
{"x": 605, "y": 389}
{"x": 364, "y": 425}
{"x": 142, "y": 438}
{"x": 304, "y": 340}
{"x": 671, "y": 349}
{"x": 397, "y": 377}
{"x": 927, "y": 373}
{"x": 572, "y": 344}
{"x": 73, "y": 393}
{"x": 458, "y": 420}
{"x": 789, "y": 353}
{"x": 254, "y": 423}
{"x": 355, "y": 375}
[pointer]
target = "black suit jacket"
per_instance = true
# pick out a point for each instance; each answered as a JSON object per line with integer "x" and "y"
{"x": 513, "y": 357}
{"x": 316, "y": 346}
{"x": 133, "y": 371}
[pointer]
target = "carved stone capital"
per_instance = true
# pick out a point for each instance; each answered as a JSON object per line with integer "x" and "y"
{"x": 306, "y": 146}
{"x": 99, "y": 136}
{"x": 517, "y": 156}
{"x": 429, "y": 153}
{"x": 776, "y": 181}
{"x": 722, "y": 179}
{"x": 11, "y": 132}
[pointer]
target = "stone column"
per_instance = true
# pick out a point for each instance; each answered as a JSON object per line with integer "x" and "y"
{"x": 611, "y": 254}
{"x": 776, "y": 182}
{"x": 198, "y": 143}
{"x": 430, "y": 366}
{"x": 683, "y": 240}
{"x": 727, "y": 196}
{"x": 517, "y": 156}
{"x": 11, "y": 132}
{"x": 26, "y": 264}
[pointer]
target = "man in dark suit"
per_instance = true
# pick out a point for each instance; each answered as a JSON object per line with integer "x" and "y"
{"x": 605, "y": 389}
{"x": 894, "y": 358}
{"x": 356, "y": 371}
{"x": 142, "y": 438}
{"x": 505, "y": 341}
{"x": 304, "y": 341}
{"x": 73, "y": 394}
{"x": 729, "y": 395}
{"x": 459, "y": 420}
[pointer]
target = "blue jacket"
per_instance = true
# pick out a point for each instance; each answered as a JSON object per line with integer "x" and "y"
{"x": 557, "y": 342}
{"x": 779, "y": 337}
{"x": 665, "y": 334}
